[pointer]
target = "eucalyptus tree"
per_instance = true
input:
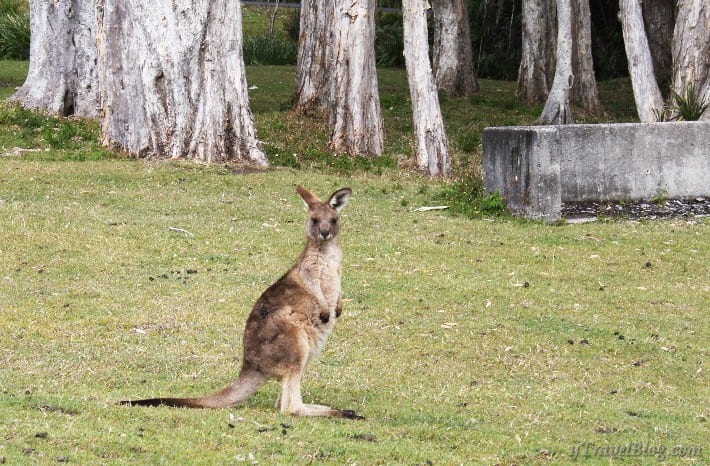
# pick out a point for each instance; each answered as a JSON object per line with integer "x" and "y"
{"x": 336, "y": 76}
{"x": 691, "y": 51}
{"x": 536, "y": 72}
{"x": 537, "y": 62}
{"x": 63, "y": 74}
{"x": 314, "y": 59}
{"x": 659, "y": 18}
{"x": 431, "y": 146}
{"x": 647, "y": 95}
{"x": 452, "y": 53}
{"x": 166, "y": 79}
{"x": 557, "y": 108}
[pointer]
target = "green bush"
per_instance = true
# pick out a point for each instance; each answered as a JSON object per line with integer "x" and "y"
{"x": 689, "y": 105}
{"x": 265, "y": 50}
{"x": 389, "y": 40}
{"x": 14, "y": 30}
{"x": 12, "y": 6}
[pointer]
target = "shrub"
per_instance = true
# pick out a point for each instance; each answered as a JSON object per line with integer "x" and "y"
{"x": 265, "y": 50}
{"x": 389, "y": 40}
{"x": 689, "y": 106}
{"x": 14, "y": 30}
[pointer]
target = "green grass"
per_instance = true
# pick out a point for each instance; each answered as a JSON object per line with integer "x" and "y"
{"x": 487, "y": 341}
{"x": 12, "y": 75}
{"x": 442, "y": 347}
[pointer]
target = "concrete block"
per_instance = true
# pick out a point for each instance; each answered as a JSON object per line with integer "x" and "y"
{"x": 538, "y": 168}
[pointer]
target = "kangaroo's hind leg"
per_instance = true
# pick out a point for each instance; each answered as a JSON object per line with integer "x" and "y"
{"x": 290, "y": 401}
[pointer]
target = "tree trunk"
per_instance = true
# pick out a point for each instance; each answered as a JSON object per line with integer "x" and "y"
{"x": 557, "y": 110}
{"x": 314, "y": 62}
{"x": 453, "y": 57}
{"x": 691, "y": 50}
{"x": 537, "y": 64}
{"x": 646, "y": 93}
{"x": 659, "y": 19}
{"x": 431, "y": 146}
{"x": 172, "y": 80}
{"x": 354, "y": 115}
{"x": 584, "y": 89}
{"x": 272, "y": 19}
{"x": 62, "y": 76}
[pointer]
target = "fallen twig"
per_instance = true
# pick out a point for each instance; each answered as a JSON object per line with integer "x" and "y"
{"x": 428, "y": 208}
{"x": 180, "y": 230}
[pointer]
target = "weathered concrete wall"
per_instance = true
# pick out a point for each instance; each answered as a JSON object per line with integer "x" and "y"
{"x": 537, "y": 168}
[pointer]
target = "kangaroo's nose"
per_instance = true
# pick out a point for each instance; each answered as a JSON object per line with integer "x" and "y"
{"x": 324, "y": 234}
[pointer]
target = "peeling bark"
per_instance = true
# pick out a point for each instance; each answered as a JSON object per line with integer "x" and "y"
{"x": 584, "y": 89}
{"x": 173, "y": 82}
{"x": 453, "y": 57}
{"x": 62, "y": 76}
{"x": 314, "y": 62}
{"x": 537, "y": 64}
{"x": 431, "y": 147}
{"x": 691, "y": 50}
{"x": 354, "y": 115}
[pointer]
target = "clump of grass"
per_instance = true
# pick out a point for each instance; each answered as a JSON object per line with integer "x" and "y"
{"x": 14, "y": 30}
{"x": 266, "y": 50}
{"x": 59, "y": 138}
{"x": 689, "y": 105}
{"x": 320, "y": 160}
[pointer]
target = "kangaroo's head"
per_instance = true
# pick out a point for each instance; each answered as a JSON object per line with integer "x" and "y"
{"x": 323, "y": 217}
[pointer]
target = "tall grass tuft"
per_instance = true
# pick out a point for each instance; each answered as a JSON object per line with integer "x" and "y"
{"x": 689, "y": 106}
{"x": 265, "y": 50}
{"x": 14, "y": 30}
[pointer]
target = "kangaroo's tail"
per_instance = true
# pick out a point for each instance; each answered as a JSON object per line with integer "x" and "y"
{"x": 248, "y": 382}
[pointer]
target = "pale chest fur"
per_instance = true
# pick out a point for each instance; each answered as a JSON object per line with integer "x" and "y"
{"x": 320, "y": 270}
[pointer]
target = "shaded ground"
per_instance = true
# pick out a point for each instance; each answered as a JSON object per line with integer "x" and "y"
{"x": 578, "y": 212}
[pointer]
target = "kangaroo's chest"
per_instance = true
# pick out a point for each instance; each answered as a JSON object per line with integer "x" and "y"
{"x": 321, "y": 272}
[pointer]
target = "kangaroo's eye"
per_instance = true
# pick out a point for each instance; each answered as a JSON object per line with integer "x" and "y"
{"x": 314, "y": 221}
{"x": 333, "y": 221}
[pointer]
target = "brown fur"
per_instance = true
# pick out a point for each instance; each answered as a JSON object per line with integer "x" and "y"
{"x": 290, "y": 321}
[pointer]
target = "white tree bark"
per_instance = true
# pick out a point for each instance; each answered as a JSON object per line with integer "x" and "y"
{"x": 557, "y": 109}
{"x": 431, "y": 146}
{"x": 539, "y": 55}
{"x": 646, "y": 93}
{"x": 354, "y": 114}
{"x": 691, "y": 50}
{"x": 62, "y": 76}
{"x": 315, "y": 56}
{"x": 173, "y": 82}
{"x": 537, "y": 64}
{"x": 453, "y": 57}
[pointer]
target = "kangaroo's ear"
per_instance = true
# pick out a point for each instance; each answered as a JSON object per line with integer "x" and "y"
{"x": 308, "y": 197}
{"x": 339, "y": 198}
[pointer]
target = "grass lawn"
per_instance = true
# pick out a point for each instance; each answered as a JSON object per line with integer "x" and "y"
{"x": 485, "y": 341}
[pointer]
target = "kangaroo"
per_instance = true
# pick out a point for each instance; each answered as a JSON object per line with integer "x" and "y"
{"x": 290, "y": 321}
